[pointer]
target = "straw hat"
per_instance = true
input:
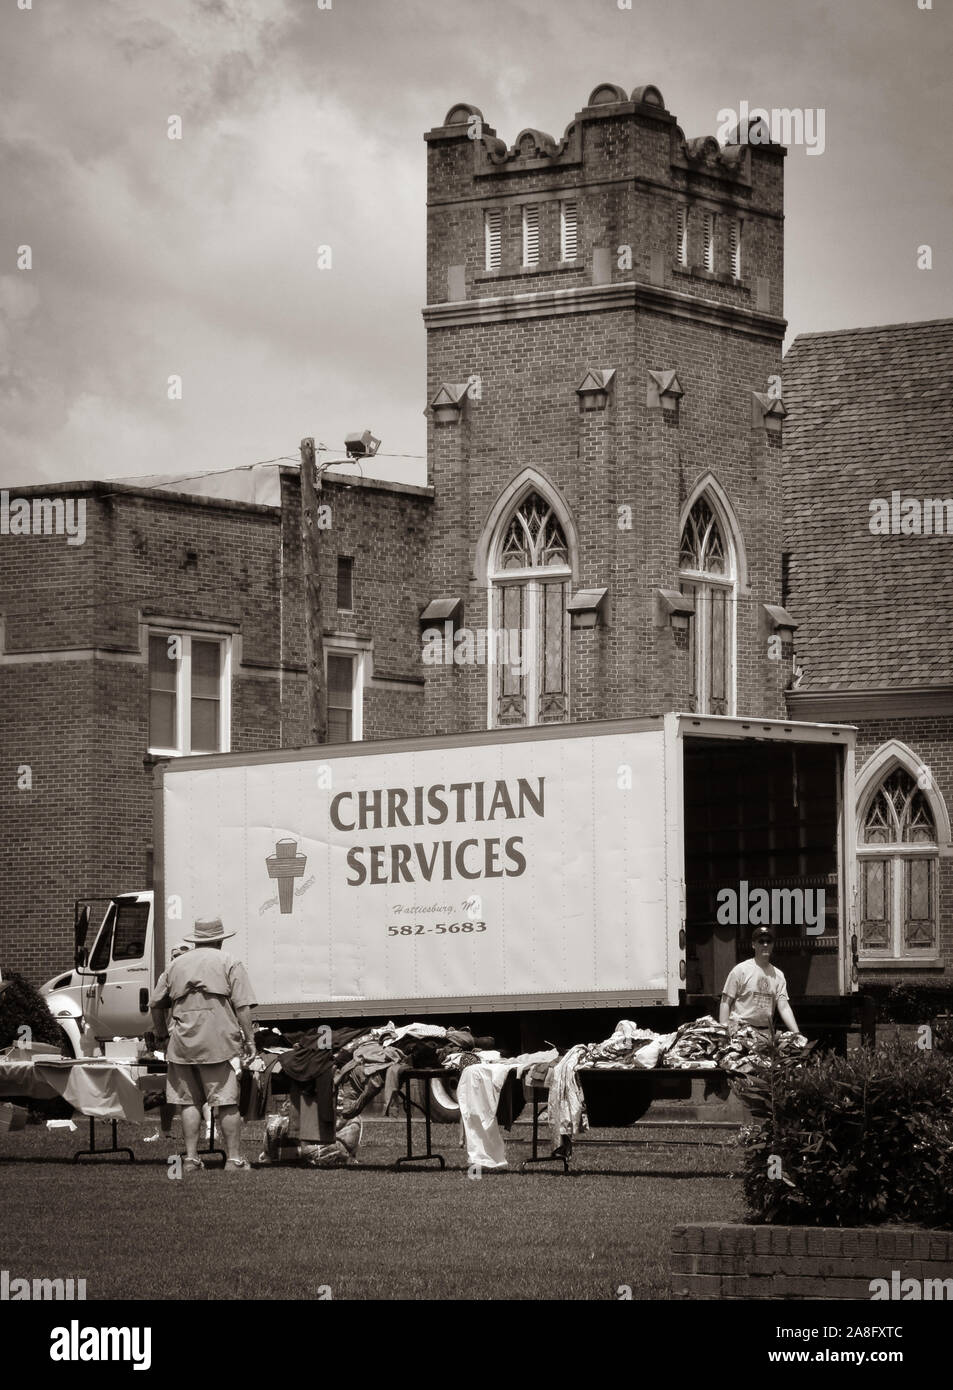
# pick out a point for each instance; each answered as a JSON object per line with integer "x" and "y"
{"x": 207, "y": 930}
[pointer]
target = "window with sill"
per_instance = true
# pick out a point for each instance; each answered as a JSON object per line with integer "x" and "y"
{"x": 707, "y": 571}
{"x": 344, "y": 697}
{"x": 530, "y": 571}
{"x": 188, "y": 693}
{"x": 898, "y": 857}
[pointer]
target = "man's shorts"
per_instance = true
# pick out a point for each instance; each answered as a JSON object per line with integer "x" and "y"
{"x": 212, "y": 1083}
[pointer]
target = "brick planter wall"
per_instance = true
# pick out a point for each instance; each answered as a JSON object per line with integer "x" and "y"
{"x": 802, "y": 1262}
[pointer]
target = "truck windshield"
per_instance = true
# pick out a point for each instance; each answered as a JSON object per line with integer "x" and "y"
{"x": 123, "y": 934}
{"x": 129, "y": 936}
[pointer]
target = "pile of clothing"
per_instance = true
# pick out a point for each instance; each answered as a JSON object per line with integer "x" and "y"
{"x": 747, "y": 1050}
{"x": 629, "y": 1046}
{"x": 704, "y": 1043}
{"x": 697, "y": 1044}
{"x": 707, "y": 1043}
{"x": 338, "y": 1072}
{"x": 377, "y": 1059}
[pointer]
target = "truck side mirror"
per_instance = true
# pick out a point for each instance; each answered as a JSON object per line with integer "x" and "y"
{"x": 80, "y": 932}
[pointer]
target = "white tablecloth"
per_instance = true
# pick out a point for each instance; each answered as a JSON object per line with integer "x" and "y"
{"x": 19, "y": 1078}
{"x": 104, "y": 1090}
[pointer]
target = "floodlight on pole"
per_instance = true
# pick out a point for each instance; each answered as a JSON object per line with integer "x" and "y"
{"x": 361, "y": 446}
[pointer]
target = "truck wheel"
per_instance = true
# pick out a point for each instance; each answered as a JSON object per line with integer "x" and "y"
{"x": 443, "y": 1101}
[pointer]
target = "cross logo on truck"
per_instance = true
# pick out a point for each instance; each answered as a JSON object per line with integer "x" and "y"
{"x": 286, "y": 864}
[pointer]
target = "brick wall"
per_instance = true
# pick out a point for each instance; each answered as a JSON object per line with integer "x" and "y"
{"x": 385, "y": 529}
{"x": 802, "y": 1262}
{"x": 74, "y": 678}
{"x": 73, "y": 684}
{"x": 627, "y": 172}
{"x": 627, "y": 166}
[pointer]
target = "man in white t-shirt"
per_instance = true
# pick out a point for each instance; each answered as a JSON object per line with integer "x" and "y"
{"x": 755, "y": 988}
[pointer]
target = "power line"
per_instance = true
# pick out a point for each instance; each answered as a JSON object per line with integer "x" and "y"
{"x": 245, "y": 467}
{"x": 177, "y": 595}
{"x": 196, "y": 477}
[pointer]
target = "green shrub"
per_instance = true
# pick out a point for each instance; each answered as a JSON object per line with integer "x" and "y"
{"x": 943, "y": 1033}
{"x": 910, "y": 1003}
{"x": 21, "y": 1004}
{"x": 852, "y": 1141}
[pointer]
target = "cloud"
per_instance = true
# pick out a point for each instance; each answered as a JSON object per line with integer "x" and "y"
{"x": 302, "y": 127}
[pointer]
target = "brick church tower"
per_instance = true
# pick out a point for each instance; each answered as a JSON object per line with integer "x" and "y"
{"x": 604, "y": 327}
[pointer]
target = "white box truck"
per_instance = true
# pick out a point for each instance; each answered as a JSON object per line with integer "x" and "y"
{"x": 537, "y": 884}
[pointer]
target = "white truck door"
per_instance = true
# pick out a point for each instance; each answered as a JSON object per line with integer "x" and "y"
{"x": 116, "y": 1002}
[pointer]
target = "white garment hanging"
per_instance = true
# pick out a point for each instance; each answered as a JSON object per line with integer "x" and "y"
{"x": 478, "y": 1094}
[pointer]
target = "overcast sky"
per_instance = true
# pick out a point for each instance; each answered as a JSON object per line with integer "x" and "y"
{"x": 303, "y": 126}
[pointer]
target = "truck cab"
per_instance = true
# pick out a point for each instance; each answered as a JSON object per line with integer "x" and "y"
{"x": 106, "y": 995}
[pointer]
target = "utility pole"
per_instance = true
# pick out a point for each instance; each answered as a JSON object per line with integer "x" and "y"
{"x": 313, "y": 611}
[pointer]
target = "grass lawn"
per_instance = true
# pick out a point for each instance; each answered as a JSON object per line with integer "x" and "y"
{"x": 368, "y": 1232}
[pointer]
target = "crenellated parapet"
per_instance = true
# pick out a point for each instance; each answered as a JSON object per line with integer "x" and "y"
{"x": 604, "y": 326}
{"x": 536, "y": 149}
{"x": 623, "y": 195}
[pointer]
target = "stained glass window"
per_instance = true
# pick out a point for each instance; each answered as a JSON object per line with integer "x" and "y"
{"x": 531, "y": 671}
{"x": 899, "y": 813}
{"x": 534, "y": 537}
{"x": 875, "y": 904}
{"x": 704, "y": 551}
{"x": 898, "y": 888}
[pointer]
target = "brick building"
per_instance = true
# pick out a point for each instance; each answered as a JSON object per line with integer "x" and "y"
{"x": 601, "y": 535}
{"x": 604, "y": 322}
{"x": 177, "y": 627}
{"x": 868, "y": 506}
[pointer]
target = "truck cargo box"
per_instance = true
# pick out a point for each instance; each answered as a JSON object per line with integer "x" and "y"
{"x": 556, "y": 867}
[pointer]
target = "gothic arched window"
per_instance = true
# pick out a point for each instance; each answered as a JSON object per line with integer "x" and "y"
{"x": 898, "y": 854}
{"x": 707, "y": 572}
{"x": 534, "y": 537}
{"x": 529, "y": 575}
{"x": 702, "y": 549}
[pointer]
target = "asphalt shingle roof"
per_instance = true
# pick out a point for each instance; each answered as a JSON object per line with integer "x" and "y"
{"x": 869, "y": 413}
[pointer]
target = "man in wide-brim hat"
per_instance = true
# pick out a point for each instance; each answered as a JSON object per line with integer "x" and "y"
{"x": 207, "y": 998}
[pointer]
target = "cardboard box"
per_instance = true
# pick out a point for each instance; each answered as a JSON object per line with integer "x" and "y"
{"x": 152, "y": 1082}
{"x": 288, "y": 1150}
{"x": 12, "y": 1117}
{"x": 306, "y": 1124}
